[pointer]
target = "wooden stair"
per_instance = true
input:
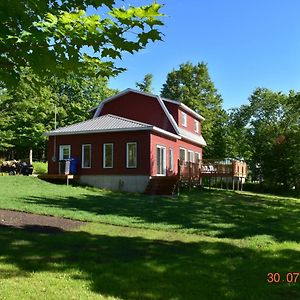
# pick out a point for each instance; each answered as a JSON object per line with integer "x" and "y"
{"x": 162, "y": 185}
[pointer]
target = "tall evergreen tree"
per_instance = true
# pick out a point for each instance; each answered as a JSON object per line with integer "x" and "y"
{"x": 192, "y": 85}
{"x": 146, "y": 84}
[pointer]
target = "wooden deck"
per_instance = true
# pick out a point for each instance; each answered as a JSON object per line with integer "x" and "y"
{"x": 234, "y": 171}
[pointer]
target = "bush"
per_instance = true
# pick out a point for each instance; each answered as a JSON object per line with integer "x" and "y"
{"x": 40, "y": 167}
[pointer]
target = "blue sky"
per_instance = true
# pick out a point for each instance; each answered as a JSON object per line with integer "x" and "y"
{"x": 246, "y": 44}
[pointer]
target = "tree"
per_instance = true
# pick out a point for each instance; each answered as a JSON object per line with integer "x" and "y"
{"x": 30, "y": 110}
{"x": 269, "y": 127}
{"x": 192, "y": 85}
{"x": 55, "y": 37}
{"x": 146, "y": 84}
{"x": 6, "y": 135}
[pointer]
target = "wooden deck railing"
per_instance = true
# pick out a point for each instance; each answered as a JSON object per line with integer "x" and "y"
{"x": 211, "y": 168}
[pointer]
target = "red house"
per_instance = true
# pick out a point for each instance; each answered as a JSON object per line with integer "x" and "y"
{"x": 132, "y": 137}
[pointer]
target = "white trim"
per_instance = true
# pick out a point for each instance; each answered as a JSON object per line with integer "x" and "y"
{"x": 185, "y": 153}
{"x": 104, "y": 157}
{"x": 166, "y": 133}
{"x": 192, "y": 112}
{"x": 82, "y": 160}
{"x": 194, "y": 141}
{"x": 127, "y": 166}
{"x": 188, "y": 109}
{"x": 169, "y": 116}
{"x": 154, "y": 128}
{"x": 183, "y": 118}
{"x": 61, "y": 152}
{"x": 164, "y": 160}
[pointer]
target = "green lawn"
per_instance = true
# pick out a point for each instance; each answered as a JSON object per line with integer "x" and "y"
{"x": 202, "y": 245}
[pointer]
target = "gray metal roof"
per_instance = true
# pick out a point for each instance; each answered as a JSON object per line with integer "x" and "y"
{"x": 106, "y": 123}
{"x": 192, "y": 137}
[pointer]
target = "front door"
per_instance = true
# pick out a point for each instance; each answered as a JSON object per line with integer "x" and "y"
{"x": 161, "y": 160}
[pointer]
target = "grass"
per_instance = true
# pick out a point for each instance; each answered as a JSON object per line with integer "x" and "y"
{"x": 202, "y": 245}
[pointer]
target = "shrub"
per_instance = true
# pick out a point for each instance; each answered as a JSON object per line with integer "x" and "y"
{"x": 40, "y": 167}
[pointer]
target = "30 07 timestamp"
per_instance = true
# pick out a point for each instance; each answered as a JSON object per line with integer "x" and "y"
{"x": 290, "y": 277}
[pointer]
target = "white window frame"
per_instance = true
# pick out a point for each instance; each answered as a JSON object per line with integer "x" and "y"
{"x": 171, "y": 159}
{"x": 82, "y": 156}
{"x": 61, "y": 147}
{"x": 183, "y": 119}
{"x": 127, "y": 158}
{"x": 104, "y": 155}
{"x": 164, "y": 160}
{"x": 191, "y": 153}
{"x": 185, "y": 153}
{"x": 196, "y": 126}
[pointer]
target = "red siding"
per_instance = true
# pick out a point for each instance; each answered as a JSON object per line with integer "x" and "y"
{"x": 190, "y": 122}
{"x": 157, "y": 139}
{"x": 119, "y": 139}
{"x": 173, "y": 109}
{"x": 140, "y": 108}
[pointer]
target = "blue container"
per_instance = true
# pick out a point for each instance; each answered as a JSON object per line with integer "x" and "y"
{"x": 74, "y": 166}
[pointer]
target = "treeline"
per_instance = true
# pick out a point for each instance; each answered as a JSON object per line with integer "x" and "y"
{"x": 28, "y": 110}
{"x": 265, "y": 132}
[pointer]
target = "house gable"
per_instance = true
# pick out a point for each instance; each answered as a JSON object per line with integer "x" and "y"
{"x": 141, "y": 107}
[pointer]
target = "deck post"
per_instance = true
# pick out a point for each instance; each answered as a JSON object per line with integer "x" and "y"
{"x": 233, "y": 183}
{"x": 227, "y": 183}
{"x": 238, "y": 183}
{"x": 241, "y": 184}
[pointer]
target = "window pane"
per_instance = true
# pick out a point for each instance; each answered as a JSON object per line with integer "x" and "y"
{"x": 171, "y": 159}
{"x": 108, "y": 155}
{"x": 182, "y": 154}
{"x": 184, "y": 121}
{"x": 86, "y": 155}
{"x": 131, "y": 155}
{"x": 191, "y": 156}
{"x": 196, "y": 127}
{"x": 158, "y": 161}
{"x": 64, "y": 152}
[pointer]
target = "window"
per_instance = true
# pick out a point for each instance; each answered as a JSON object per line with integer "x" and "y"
{"x": 191, "y": 156}
{"x": 171, "y": 159}
{"x": 86, "y": 156}
{"x": 108, "y": 155}
{"x": 160, "y": 160}
{"x": 64, "y": 152}
{"x": 131, "y": 155}
{"x": 196, "y": 126}
{"x": 182, "y": 154}
{"x": 197, "y": 157}
{"x": 183, "y": 119}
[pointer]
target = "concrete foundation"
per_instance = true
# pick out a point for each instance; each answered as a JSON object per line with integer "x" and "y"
{"x": 132, "y": 183}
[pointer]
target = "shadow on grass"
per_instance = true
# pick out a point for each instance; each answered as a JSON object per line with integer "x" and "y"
{"x": 213, "y": 213}
{"x": 137, "y": 268}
